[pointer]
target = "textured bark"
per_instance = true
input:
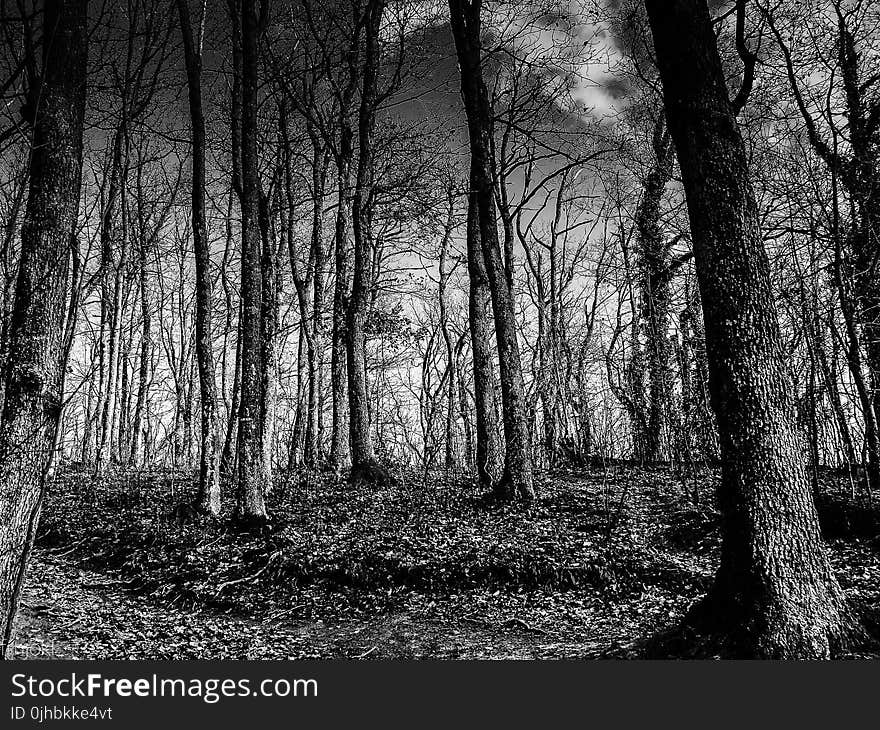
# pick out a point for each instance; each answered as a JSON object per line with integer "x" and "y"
{"x": 269, "y": 336}
{"x": 339, "y": 442}
{"x": 655, "y": 278}
{"x": 489, "y": 451}
{"x": 250, "y": 506}
{"x": 775, "y": 594}
{"x": 9, "y": 264}
{"x": 363, "y": 461}
{"x": 517, "y": 480}
{"x": 208, "y": 498}
{"x": 33, "y": 401}
{"x": 313, "y": 437}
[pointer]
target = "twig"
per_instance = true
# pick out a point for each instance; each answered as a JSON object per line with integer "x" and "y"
{"x": 249, "y": 578}
{"x": 107, "y": 584}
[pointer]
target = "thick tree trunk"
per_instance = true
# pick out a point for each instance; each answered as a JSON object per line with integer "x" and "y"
{"x": 250, "y": 507}
{"x": 208, "y": 498}
{"x": 33, "y": 403}
{"x": 517, "y": 480}
{"x": 775, "y": 594}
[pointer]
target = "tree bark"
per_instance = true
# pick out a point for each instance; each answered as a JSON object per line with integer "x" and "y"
{"x": 313, "y": 448}
{"x": 775, "y": 594}
{"x": 489, "y": 451}
{"x": 33, "y": 403}
{"x": 363, "y": 460}
{"x": 208, "y": 498}
{"x": 110, "y": 289}
{"x": 339, "y": 442}
{"x": 517, "y": 480}
{"x": 655, "y": 275}
{"x": 250, "y": 507}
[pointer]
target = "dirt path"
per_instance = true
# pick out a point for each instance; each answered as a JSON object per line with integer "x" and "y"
{"x": 71, "y": 613}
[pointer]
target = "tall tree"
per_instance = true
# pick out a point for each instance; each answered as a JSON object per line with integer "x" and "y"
{"x": 208, "y": 499}
{"x": 33, "y": 400}
{"x": 489, "y": 450}
{"x": 363, "y": 461}
{"x": 852, "y": 154}
{"x": 775, "y": 593}
{"x": 466, "y": 31}
{"x": 251, "y": 459}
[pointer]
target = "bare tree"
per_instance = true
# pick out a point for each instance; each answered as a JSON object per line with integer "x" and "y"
{"x": 775, "y": 593}
{"x": 466, "y": 30}
{"x": 252, "y": 477}
{"x": 32, "y": 374}
{"x": 208, "y": 499}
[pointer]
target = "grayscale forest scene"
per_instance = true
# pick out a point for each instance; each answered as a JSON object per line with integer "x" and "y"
{"x": 439, "y": 329}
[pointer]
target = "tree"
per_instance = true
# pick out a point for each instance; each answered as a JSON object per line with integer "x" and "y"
{"x": 363, "y": 460}
{"x": 32, "y": 374}
{"x": 851, "y": 150}
{"x": 775, "y": 594}
{"x": 208, "y": 499}
{"x": 252, "y": 477}
{"x": 466, "y": 31}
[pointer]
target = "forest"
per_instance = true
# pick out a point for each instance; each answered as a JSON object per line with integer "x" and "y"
{"x": 365, "y": 329}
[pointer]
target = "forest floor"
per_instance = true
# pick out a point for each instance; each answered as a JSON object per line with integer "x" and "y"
{"x": 606, "y": 559}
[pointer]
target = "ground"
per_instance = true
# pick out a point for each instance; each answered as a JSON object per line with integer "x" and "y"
{"x": 605, "y": 560}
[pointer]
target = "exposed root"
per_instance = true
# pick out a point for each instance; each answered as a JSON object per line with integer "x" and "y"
{"x": 711, "y": 630}
{"x": 371, "y": 473}
{"x": 507, "y": 490}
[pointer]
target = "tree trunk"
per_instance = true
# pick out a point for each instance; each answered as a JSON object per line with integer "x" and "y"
{"x": 655, "y": 295}
{"x": 489, "y": 449}
{"x": 363, "y": 461}
{"x": 227, "y": 457}
{"x": 339, "y": 443}
{"x": 250, "y": 506}
{"x": 70, "y": 321}
{"x": 517, "y": 480}
{"x": 775, "y": 594}
{"x": 109, "y": 276}
{"x": 33, "y": 403}
{"x": 451, "y": 373}
{"x": 146, "y": 351}
{"x": 208, "y": 498}
{"x": 312, "y": 449}
{"x": 270, "y": 294}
